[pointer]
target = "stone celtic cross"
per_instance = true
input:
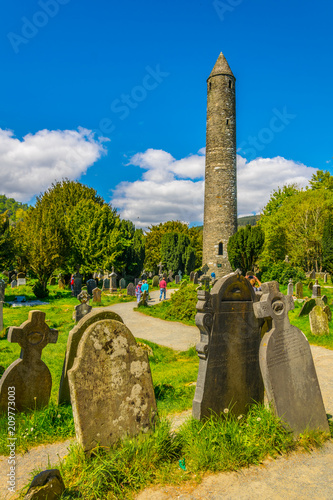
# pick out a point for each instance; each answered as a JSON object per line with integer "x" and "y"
{"x": 29, "y": 375}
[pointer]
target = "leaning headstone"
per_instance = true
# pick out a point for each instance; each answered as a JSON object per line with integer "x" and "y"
{"x": 195, "y": 279}
{"x": 328, "y": 312}
{"x": 73, "y": 341}
{"x": 143, "y": 300}
{"x": 122, "y": 284}
{"x": 13, "y": 284}
{"x": 91, "y": 284}
{"x": 97, "y": 295}
{"x": 287, "y": 366}
{"x": 177, "y": 279}
{"x": 299, "y": 290}
{"x": 316, "y": 290}
{"x": 21, "y": 280}
{"x": 156, "y": 281}
{"x": 48, "y": 484}
{"x": 2, "y": 290}
{"x": 106, "y": 284}
{"x": 77, "y": 284}
{"x": 318, "y": 321}
{"x": 131, "y": 289}
{"x": 111, "y": 386}
{"x": 229, "y": 374}
{"x": 307, "y": 307}
{"x": 290, "y": 287}
{"x": 29, "y": 375}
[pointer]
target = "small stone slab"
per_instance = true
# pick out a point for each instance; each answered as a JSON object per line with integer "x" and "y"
{"x": 111, "y": 386}
{"x": 97, "y": 295}
{"x": 81, "y": 310}
{"x": 131, "y": 289}
{"x": 48, "y": 484}
{"x": 307, "y": 307}
{"x": 195, "y": 279}
{"x": 61, "y": 284}
{"x": 310, "y": 285}
{"x": 73, "y": 340}
{"x": 287, "y": 366}
{"x": 318, "y": 321}
{"x": 29, "y": 375}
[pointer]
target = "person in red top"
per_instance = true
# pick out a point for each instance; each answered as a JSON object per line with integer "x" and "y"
{"x": 163, "y": 287}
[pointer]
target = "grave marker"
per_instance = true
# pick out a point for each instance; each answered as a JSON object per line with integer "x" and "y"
{"x": 290, "y": 287}
{"x": 131, "y": 290}
{"x": 195, "y": 278}
{"x": 29, "y": 375}
{"x": 61, "y": 284}
{"x": 97, "y": 295}
{"x": 144, "y": 299}
{"x": 328, "y": 312}
{"x": 229, "y": 374}
{"x": 2, "y": 290}
{"x": 21, "y": 280}
{"x": 106, "y": 284}
{"x": 156, "y": 281}
{"x": 83, "y": 308}
{"x": 111, "y": 386}
{"x": 13, "y": 284}
{"x": 122, "y": 284}
{"x": 91, "y": 284}
{"x": 316, "y": 290}
{"x": 177, "y": 279}
{"x": 287, "y": 366}
{"x": 318, "y": 321}
{"x": 77, "y": 284}
{"x": 299, "y": 290}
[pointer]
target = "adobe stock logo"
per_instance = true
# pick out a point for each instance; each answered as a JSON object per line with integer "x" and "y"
{"x": 31, "y": 27}
{"x": 277, "y": 124}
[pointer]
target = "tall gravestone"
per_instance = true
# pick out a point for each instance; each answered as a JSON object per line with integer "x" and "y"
{"x": 122, "y": 284}
{"x": 13, "y": 284}
{"x": 316, "y": 290}
{"x": 195, "y": 278}
{"x": 177, "y": 279}
{"x": 229, "y": 374}
{"x": 77, "y": 284}
{"x": 131, "y": 289}
{"x": 111, "y": 386}
{"x": 170, "y": 277}
{"x": 91, "y": 284}
{"x": 287, "y": 366}
{"x": 325, "y": 277}
{"x": 299, "y": 290}
{"x": 106, "y": 284}
{"x": 29, "y": 375}
{"x": 318, "y": 321}
{"x": 73, "y": 341}
{"x": 290, "y": 287}
{"x": 97, "y": 295}
{"x": 61, "y": 284}
{"x": 52, "y": 281}
{"x": 2, "y": 290}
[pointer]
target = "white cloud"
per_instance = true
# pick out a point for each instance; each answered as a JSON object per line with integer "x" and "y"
{"x": 31, "y": 165}
{"x": 174, "y": 189}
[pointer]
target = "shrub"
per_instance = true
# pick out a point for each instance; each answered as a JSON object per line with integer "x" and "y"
{"x": 282, "y": 272}
{"x": 39, "y": 291}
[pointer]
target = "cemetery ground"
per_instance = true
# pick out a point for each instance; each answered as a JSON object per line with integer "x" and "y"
{"x": 161, "y": 456}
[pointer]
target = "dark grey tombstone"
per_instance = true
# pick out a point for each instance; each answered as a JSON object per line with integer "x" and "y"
{"x": 195, "y": 279}
{"x": 52, "y": 281}
{"x": 177, "y": 279}
{"x": 13, "y": 284}
{"x": 316, "y": 290}
{"x": 299, "y": 290}
{"x": 2, "y": 290}
{"x": 324, "y": 299}
{"x": 290, "y": 287}
{"x": 106, "y": 284}
{"x": 156, "y": 281}
{"x": 122, "y": 284}
{"x": 310, "y": 285}
{"x": 77, "y": 284}
{"x": 307, "y": 307}
{"x": 287, "y": 366}
{"x": 229, "y": 374}
{"x": 91, "y": 284}
{"x": 131, "y": 289}
{"x": 47, "y": 484}
{"x": 81, "y": 310}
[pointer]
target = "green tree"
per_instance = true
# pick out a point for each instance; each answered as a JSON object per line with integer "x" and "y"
{"x": 321, "y": 180}
{"x": 327, "y": 244}
{"x": 244, "y": 247}
{"x": 6, "y": 241}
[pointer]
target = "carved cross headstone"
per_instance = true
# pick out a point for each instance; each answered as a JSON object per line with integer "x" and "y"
{"x": 97, "y": 295}
{"x": 29, "y": 375}
{"x": 131, "y": 290}
{"x": 299, "y": 290}
{"x": 205, "y": 269}
{"x": 2, "y": 290}
{"x": 290, "y": 287}
{"x": 287, "y": 366}
{"x": 111, "y": 386}
{"x": 229, "y": 374}
{"x": 91, "y": 284}
{"x": 180, "y": 275}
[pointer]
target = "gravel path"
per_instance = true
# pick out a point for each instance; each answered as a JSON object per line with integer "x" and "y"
{"x": 299, "y": 476}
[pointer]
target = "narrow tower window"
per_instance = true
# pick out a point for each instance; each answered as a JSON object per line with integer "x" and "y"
{"x": 210, "y": 85}
{"x": 220, "y": 248}
{"x": 230, "y": 84}
{"x": 227, "y": 121}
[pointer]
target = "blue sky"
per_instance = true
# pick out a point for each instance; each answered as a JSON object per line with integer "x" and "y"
{"x": 134, "y": 74}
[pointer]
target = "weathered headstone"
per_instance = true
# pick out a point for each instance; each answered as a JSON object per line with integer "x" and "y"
{"x": 229, "y": 374}
{"x": 287, "y": 366}
{"x": 29, "y": 375}
{"x": 324, "y": 299}
{"x": 122, "y": 284}
{"x": 48, "y": 484}
{"x": 177, "y": 279}
{"x": 113, "y": 281}
{"x": 318, "y": 321}
{"x": 77, "y": 284}
{"x": 73, "y": 341}
{"x": 205, "y": 269}
{"x": 160, "y": 267}
{"x": 91, "y": 284}
{"x": 156, "y": 281}
{"x": 131, "y": 289}
{"x": 316, "y": 290}
{"x": 21, "y": 280}
{"x": 290, "y": 287}
{"x": 13, "y": 284}
{"x": 170, "y": 277}
{"x": 325, "y": 278}
{"x": 307, "y": 307}
{"x": 299, "y": 290}
{"x": 144, "y": 299}
{"x": 52, "y": 281}
{"x": 328, "y": 312}
{"x": 61, "y": 284}
{"x": 97, "y": 295}
{"x": 106, "y": 284}
{"x": 83, "y": 308}
{"x": 310, "y": 285}
{"x": 111, "y": 386}
{"x": 2, "y": 290}
{"x": 195, "y": 279}
{"x": 312, "y": 275}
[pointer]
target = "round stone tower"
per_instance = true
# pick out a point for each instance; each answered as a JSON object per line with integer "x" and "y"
{"x": 220, "y": 211}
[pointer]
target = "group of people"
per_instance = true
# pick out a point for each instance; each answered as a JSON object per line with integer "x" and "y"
{"x": 143, "y": 286}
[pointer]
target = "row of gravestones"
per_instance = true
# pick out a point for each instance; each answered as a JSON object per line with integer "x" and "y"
{"x": 107, "y": 378}
{"x": 313, "y": 275}
{"x": 314, "y": 287}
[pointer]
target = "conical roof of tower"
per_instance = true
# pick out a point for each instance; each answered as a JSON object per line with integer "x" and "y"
{"x": 221, "y": 67}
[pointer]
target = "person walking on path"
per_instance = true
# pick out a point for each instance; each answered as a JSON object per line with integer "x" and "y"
{"x": 145, "y": 287}
{"x": 138, "y": 291}
{"x": 163, "y": 287}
